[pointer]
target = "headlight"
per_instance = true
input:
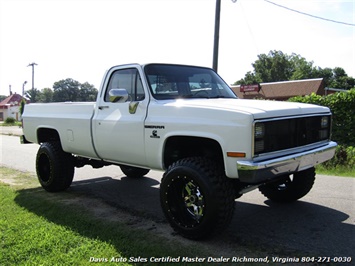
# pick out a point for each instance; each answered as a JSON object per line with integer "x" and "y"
{"x": 259, "y": 131}
{"x": 324, "y": 122}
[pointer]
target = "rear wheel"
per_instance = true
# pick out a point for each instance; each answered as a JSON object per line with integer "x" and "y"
{"x": 134, "y": 172}
{"x": 55, "y": 168}
{"x": 290, "y": 188}
{"x": 197, "y": 198}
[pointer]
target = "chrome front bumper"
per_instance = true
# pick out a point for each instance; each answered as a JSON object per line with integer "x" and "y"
{"x": 258, "y": 172}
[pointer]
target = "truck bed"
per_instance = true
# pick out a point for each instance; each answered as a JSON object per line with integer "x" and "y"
{"x": 71, "y": 119}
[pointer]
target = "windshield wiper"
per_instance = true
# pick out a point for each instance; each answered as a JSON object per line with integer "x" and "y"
{"x": 217, "y": 96}
{"x": 192, "y": 96}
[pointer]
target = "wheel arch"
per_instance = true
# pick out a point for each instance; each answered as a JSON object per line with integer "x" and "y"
{"x": 179, "y": 147}
{"x": 47, "y": 135}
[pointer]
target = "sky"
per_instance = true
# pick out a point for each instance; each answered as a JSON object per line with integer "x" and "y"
{"x": 81, "y": 39}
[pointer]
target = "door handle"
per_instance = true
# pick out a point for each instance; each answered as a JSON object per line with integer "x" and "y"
{"x": 103, "y": 107}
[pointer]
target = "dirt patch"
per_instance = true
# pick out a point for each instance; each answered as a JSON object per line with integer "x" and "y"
{"x": 102, "y": 210}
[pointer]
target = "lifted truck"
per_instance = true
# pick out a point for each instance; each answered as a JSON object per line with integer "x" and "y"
{"x": 186, "y": 121}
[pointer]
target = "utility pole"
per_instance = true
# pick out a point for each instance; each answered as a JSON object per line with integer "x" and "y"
{"x": 33, "y": 73}
{"x": 216, "y": 34}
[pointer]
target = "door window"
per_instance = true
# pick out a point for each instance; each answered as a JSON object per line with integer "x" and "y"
{"x": 128, "y": 79}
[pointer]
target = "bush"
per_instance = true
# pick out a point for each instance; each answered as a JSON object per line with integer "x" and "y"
{"x": 342, "y": 106}
{"x": 344, "y": 156}
{"x": 10, "y": 120}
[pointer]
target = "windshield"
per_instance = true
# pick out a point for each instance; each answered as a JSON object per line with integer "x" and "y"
{"x": 178, "y": 81}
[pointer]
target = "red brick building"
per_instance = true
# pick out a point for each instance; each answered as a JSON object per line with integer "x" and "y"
{"x": 283, "y": 90}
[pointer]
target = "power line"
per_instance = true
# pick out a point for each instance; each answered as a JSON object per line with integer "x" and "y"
{"x": 313, "y": 16}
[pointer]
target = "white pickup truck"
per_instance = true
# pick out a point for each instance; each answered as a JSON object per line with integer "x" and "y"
{"x": 186, "y": 121}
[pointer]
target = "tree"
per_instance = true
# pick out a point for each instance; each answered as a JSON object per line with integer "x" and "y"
{"x": 87, "y": 92}
{"x": 33, "y": 95}
{"x": 341, "y": 80}
{"x": 66, "y": 90}
{"x": 250, "y": 78}
{"x": 22, "y": 106}
{"x": 302, "y": 69}
{"x": 46, "y": 95}
{"x": 73, "y": 91}
{"x": 277, "y": 66}
{"x": 326, "y": 74}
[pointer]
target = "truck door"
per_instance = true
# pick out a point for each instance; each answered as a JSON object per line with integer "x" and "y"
{"x": 118, "y": 127}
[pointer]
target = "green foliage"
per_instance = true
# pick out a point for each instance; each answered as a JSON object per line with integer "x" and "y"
{"x": 343, "y": 156}
{"x": 342, "y": 162}
{"x": 72, "y": 90}
{"x": 22, "y": 106}
{"x": 87, "y": 92}
{"x": 46, "y": 95}
{"x": 33, "y": 95}
{"x": 302, "y": 68}
{"x": 277, "y": 66}
{"x": 10, "y": 120}
{"x": 250, "y": 78}
{"x": 342, "y": 105}
{"x": 341, "y": 80}
{"x": 63, "y": 91}
{"x": 38, "y": 228}
{"x": 32, "y": 238}
{"x": 66, "y": 90}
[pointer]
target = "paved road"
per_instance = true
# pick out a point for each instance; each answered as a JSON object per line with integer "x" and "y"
{"x": 321, "y": 224}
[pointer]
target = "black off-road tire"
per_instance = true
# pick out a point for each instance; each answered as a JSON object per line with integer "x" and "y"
{"x": 134, "y": 172}
{"x": 197, "y": 198}
{"x": 288, "y": 190}
{"x": 55, "y": 168}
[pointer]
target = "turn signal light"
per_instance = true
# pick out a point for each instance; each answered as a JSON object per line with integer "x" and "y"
{"x": 236, "y": 154}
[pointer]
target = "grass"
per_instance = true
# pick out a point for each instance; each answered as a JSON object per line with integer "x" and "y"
{"x": 39, "y": 228}
{"x": 16, "y": 123}
{"x": 337, "y": 171}
{"x": 28, "y": 237}
{"x": 36, "y": 229}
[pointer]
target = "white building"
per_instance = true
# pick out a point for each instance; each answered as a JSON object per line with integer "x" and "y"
{"x": 10, "y": 107}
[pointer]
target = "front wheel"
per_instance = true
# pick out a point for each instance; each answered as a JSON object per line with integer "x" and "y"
{"x": 197, "y": 198}
{"x": 290, "y": 189}
{"x": 55, "y": 168}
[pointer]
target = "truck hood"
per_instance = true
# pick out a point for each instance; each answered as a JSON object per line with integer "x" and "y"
{"x": 259, "y": 109}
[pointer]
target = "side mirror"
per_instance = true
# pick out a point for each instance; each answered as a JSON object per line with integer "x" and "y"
{"x": 118, "y": 95}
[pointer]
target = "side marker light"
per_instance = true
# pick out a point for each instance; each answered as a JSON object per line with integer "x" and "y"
{"x": 236, "y": 154}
